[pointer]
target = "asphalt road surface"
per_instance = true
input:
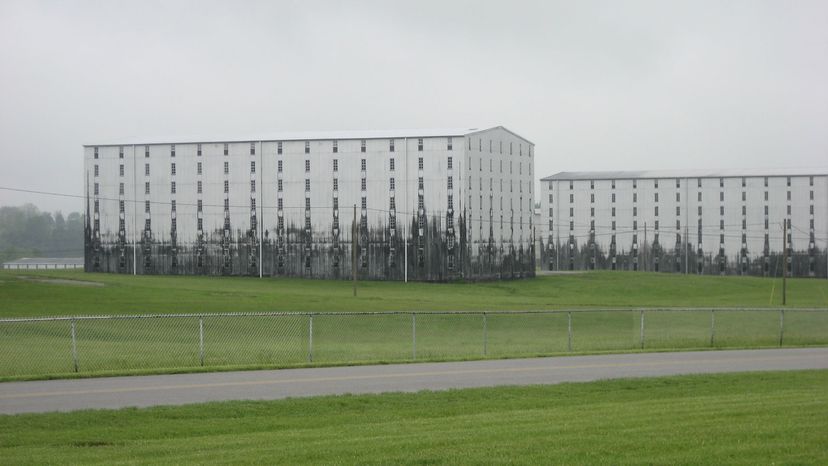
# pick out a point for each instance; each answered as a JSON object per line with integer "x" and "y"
{"x": 142, "y": 391}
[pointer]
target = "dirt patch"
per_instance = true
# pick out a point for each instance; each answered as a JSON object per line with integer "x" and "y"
{"x": 60, "y": 281}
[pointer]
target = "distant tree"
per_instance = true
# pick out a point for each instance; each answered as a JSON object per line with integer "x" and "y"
{"x": 25, "y": 231}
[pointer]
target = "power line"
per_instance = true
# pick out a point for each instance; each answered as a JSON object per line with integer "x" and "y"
{"x": 481, "y": 219}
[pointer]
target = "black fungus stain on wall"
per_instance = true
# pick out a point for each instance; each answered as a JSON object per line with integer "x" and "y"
{"x": 672, "y": 258}
{"x": 380, "y": 256}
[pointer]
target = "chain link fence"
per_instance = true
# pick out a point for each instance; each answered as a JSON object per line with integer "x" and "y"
{"x": 61, "y": 345}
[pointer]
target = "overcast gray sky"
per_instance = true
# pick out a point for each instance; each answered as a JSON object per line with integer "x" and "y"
{"x": 615, "y": 85}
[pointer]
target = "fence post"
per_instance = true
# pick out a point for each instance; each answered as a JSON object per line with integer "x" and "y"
{"x": 74, "y": 347}
{"x": 712, "y": 326}
{"x": 569, "y": 330}
{"x": 201, "y": 340}
{"x": 413, "y": 335}
{"x": 781, "y": 325}
{"x": 485, "y": 335}
{"x": 641, "y": 334}
{"x": 310, "y": 337}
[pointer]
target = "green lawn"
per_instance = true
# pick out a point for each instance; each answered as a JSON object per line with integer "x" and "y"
{"x": 752, "y": 418}
{"x": 41, "y": 349}
{"x": 126, "y": 294}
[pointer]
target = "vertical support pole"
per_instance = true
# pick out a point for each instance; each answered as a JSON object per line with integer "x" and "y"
{"x": 405, "y": 223}
{"x": 354, "y": 242}
{"x": 413, "y": 335}
{"x": 641, "y": 334}
{"x": 781, "y": 326}
{"x": 260, "y": 230}
{"x": 686, "y": 224}
{"x": 74, "y": 347}
{"x": 134, "y": 213}
{"x": 784, "y": 260}
{"x": 310, "y": 337}
{"x": 712, "y": 327}
{"x": 485, "y": 334}
{"x": 201, "y": 340}
{"x": 569, "y": 330}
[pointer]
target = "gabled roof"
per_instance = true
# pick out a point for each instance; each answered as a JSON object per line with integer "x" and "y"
{"x": 307, "y": 136}
{"x": 651, "y": 174}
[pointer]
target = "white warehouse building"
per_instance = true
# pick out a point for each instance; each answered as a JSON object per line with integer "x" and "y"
{"x": 711, "y": 222}
{"x": 429, "y": 205}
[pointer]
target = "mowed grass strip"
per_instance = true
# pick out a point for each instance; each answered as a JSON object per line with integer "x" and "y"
{"x": 27, "y": 293}
{"x": 124, "y": 346}
{"x": 39, "y": 349}
{"x": 747, "y": 418}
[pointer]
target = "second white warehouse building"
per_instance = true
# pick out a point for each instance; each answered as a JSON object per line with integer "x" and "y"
{"x": 686, "y": 221}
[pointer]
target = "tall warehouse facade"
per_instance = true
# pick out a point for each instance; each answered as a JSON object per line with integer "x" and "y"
{"x": 419, "y": 205}
{"x": 726, "y": 222}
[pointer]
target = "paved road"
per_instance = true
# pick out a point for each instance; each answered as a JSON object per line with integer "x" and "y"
{"x": 141, "y": 391}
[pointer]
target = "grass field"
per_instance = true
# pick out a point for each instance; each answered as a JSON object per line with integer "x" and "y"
{"x": 751, "y": 418}
{"x": 39, "y": 349}
{"x": 126, "y": 294}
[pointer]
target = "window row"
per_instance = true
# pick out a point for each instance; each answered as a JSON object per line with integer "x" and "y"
{"x": 678, "y": 182}
{"x": 500, "y": 147}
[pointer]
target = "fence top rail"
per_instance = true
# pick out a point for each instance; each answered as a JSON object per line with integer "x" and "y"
{"x": 408, "y": 313}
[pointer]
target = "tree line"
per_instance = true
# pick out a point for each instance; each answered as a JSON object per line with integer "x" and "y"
{"x": 25, "y": 231}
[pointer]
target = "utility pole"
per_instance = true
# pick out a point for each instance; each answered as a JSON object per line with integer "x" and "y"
{"x": 405, "y": 223}
{"x": 784, "y": 260}
{"x": 260, "y": 231}
{"x": 686, "y": 251}
{"x": 354, "y": 244}
{"x": 134, "y": 213}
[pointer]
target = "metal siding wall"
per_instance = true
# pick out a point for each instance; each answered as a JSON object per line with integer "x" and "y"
{"x": 516, "y": 233}
{"x": 156, "y": 253}
{"x": 689, "y": 204}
